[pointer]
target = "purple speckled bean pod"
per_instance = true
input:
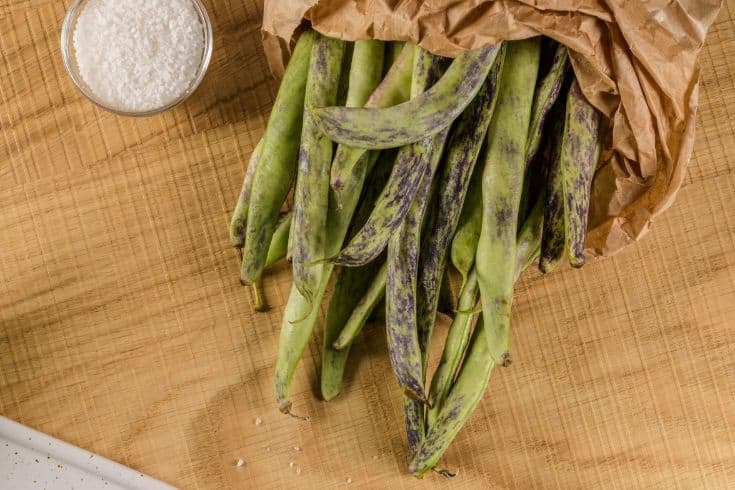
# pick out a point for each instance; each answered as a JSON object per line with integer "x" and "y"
{"x": 580, "y": 151}
{"x": 502, "y": 188}
{"x": 401, "y": 305}
{"x": 240, "y": 215}
{"x": 548, "y": 90}
{"x": 350, "y": 288}
{"x": 390, "y": 209}
{"x": 420, "y": 117}
{"x": 401, "y": 300}
{"x": 547, "y": 93}
{"x": 455, "y": 345}
{"x": 403, "y": 261}
{"x": 311, "y": 196}
{"x": 464, "y": 396}
{"x": 277, "y": 165}
{"x": 463, "y": 147}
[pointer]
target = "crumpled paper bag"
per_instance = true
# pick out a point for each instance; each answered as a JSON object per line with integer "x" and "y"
{"x": 636, "y": 61}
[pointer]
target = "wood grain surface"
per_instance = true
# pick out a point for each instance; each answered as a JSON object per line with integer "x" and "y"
{"x": 124, "y": 330}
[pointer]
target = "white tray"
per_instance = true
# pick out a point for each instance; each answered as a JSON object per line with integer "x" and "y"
{"x": 32, "y": 460}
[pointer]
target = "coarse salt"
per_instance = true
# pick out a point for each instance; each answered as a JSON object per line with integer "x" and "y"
{"x": 138, "y": 55}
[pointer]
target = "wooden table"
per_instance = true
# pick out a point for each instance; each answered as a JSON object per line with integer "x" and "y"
{"x": 124, "y": 330}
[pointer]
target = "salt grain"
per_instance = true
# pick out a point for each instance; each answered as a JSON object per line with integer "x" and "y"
{"x": 348, "y": 480}
{"x": 139, "y": 55}
{"x": 296, "y": 448}
{"x": 291, "y": 464}
{"x": 240, "y": 462}
{"x": 258, "y": 421}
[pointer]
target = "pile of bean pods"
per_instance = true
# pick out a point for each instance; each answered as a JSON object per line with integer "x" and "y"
{"x": 399, "y": 166}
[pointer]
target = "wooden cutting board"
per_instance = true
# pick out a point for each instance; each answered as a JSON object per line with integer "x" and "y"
{"x": 124, "y": 330}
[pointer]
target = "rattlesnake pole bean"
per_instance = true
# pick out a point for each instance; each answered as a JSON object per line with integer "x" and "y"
{"x": 353, "y": 284}
{"x": 311, "y": 196}
{"x": 580, "y": 150}
{"x": 240, "y": 214}
{"x": 501, "y": 192}
{"x": 463, "y": 147}
{"x": 403, "y": 261}
{"x": 277, "y": 164}
{"x": 418, "y": 118}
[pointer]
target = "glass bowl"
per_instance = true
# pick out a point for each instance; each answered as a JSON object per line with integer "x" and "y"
{"x": 68, "y": 54}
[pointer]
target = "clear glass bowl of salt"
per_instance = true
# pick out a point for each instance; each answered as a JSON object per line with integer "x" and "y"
{"x": 136, "y": 57}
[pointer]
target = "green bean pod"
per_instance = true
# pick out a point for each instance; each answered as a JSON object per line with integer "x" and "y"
{"x": 401, "y": 307}
{"x": 350, "y": 289}
{"x": 467, "y": 236}
{"x": 366, "y": 71}
{"x": 240, "y": 215}
{"x": 403, "y": 247}
{"x": 279, "y": 245}
{"x": 464, "y": 145}
{"x": 360, "y": 314}
{"x": 548, "y": 91}
{"x": 277, "y": 165}
{"x": 458, "y": 337}
{"x": 501, "y": 192}
{"x": 580, "y": 152}
{"x": 416, "y": 119}
{"x": 311, "y": 196}
{"x": 463, "y": 398}
{"x": 403, "y": 261}
{"x": 276, "y": 252}
{"x": 298, "y": 321}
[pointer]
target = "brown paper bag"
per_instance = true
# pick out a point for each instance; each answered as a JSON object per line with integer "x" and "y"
{"x": 636, "y": 62}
